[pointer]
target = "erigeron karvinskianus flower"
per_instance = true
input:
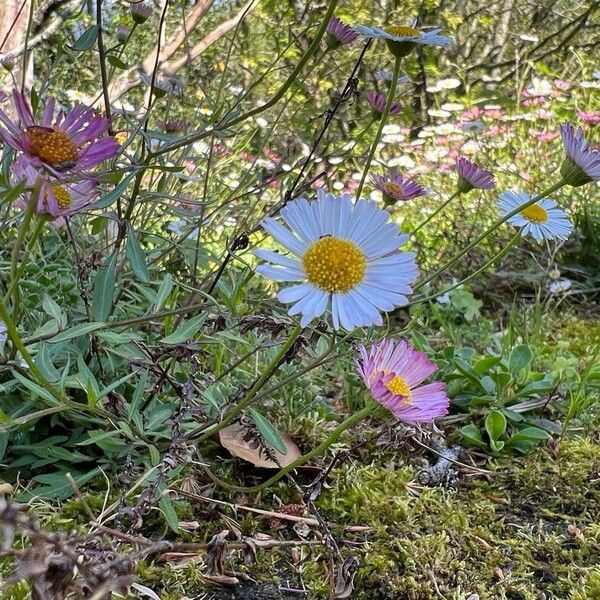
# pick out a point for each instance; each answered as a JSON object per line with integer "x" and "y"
{"x": 470, "y": 177}
{"x": 589, "y": 118}
{"x": 582, "y": 163}
{"x": 70, "y": 143}
{"x": 377, "y": 103}
{"x": 402, "y": 40}
{"x": 396, "y": 188}
{"x": 393, "y": 372}
{"x": 56, "y": 199}
{"x": 542, "y": 220}
{"x": 344, "y": 257}
{"x": 338, "y": 33}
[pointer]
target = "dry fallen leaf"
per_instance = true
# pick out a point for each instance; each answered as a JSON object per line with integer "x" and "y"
{"x": 234, "y": 439}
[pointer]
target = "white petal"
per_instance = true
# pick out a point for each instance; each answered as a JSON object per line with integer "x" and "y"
{"x": 280, "y": 273}
{"x": 284, "y": 236}
{"x": 295, "y": 292}
{"x": 278, "y": 259}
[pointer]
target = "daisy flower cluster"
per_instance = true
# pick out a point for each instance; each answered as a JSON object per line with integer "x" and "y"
{"x": 59, "y": 151}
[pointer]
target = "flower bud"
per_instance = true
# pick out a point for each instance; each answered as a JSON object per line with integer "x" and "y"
{"x": 140, "y": 12}
{"x": 123, "y": 33}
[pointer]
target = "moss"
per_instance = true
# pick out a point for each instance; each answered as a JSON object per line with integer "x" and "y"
{"x": 591, "y": 587}
{"x": 530, "y": 528}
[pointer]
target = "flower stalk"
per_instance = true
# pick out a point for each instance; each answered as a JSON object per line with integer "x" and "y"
{"x": 488, "y": 232}
{"x": 382, "y": 122}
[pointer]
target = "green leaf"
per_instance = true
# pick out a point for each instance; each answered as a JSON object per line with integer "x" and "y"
{"x": 533, "y": 433}
{"x": 88, "y": 382}
{"x": 53, "y": 309}
{"x": 136, "y": 256}
{"x": 185, "y": 331}
{"x": 268, "y": 431}
{"x": 45, "y": 364}
{"x": 104, "y": 289}
{"x": 56, "y": 486}
{"x": 166, "y": 506}
{"x": 520, "y": 357}
{"x": 35, "y": 388}
{"x": 86, "y": 40}
{"x": 485, "y": 364}
{"x": 536, "y": 387}
{"x": 76, "y": 331}
{"x": 465, "y": 368}
{"x": 15, "y": 192}
{"x": 496, "y": 446}
{"x": 116, "y": 62}
{"x": 472, "y": 434}
{"x": 524, "y": 440}
{"x": 495, "y": 425}
{"x": 117, "y": 192}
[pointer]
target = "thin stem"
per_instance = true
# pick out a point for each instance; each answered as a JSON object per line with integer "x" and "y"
{"x": 39, "y": 226}
{"x": 489, "y": 231}
{"x": 382, "y": 122}
{"x": 326, "y": 443}
{"x": 436, "y": 212}
{"x": 499, "y": 256}
{"x": 260, "y": 382}
{"x": 17, "y": 342}
{"x": 225, "y": 124}
{"x": 29, "y": 212}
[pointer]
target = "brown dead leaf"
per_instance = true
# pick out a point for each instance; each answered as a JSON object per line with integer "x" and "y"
{"x": 222, "y": 579}
{"x": 234, "y": 439}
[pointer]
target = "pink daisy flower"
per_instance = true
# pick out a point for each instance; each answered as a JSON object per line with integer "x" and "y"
{"x": 339, "y": 33}
{"x": 562, "y": 85}
{"x": 378, "y": 102}
{"x": 589, "y": 118}
{"x": 397, "y": 189}
{"x": 582, "y": 163}
{"x": 470, "y": 176}
{"x": 393, "y": 372}
{"x": 56, "y": 199}
{"x": 72, "y": 142}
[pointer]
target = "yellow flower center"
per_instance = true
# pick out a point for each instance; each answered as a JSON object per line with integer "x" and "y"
{"x": 121, "y": 137}
{"x": 535, "y": 213}
{"x": 394, "y": 189}
{"x": 399, "y": 387}
{"x": 63, "y": 198}
{"x": 334, "y": 265}
{"x": 52, "y": 146}
{"x": 399, "y": 31}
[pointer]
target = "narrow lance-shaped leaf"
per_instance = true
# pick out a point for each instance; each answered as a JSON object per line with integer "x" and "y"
{"x": 104, "y": 289}
{"x": 136, "y": 256}
{"x": 186, "y": 331}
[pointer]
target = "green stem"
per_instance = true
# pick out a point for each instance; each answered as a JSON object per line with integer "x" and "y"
{"x": 382, "y": 122}
{"x": 14, "y": 261}
{"x": 17, "y": 342}
{"x": 326, "y": 443}
{"x": 499, "y": 256}
{"x": 436, "y": 212}
{"x": 260, "y": 382}
{"x": 36, "y": 234}
{"x": 489, "y": 231}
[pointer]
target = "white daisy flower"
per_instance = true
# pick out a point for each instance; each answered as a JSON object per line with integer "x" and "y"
{"x": 401, "y": 40}
{"x": 542, "y": 220}
{"x": 345, "y": 257}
